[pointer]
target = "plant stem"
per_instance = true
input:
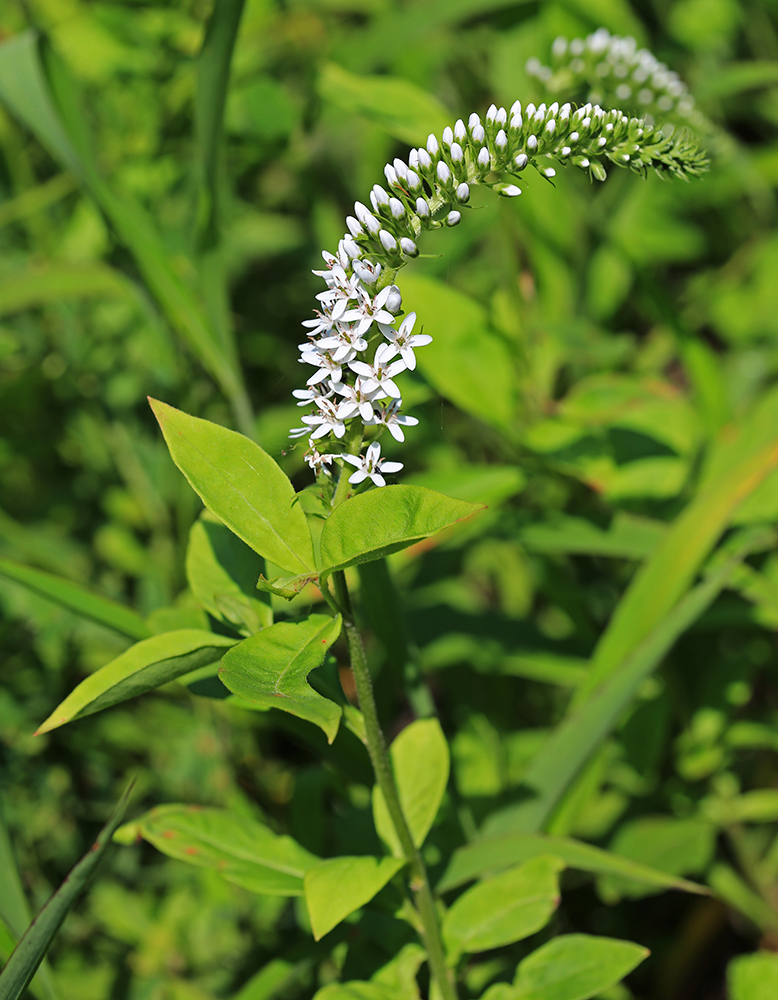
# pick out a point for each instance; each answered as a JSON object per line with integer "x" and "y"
{"x": 419, "y": 881}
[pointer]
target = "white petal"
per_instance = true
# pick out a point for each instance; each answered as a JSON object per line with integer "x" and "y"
{"x": 357, "y": 477}
{"x": 353, "y": 459}
{"x": 361, "y": 368}
{"x": 391, "y": 466}
{"x": 366, "y": 410}
{"x": 373, "y": 453}
{"x": 397, "y": 433}
{"x": 377, "y": 478}
{"x": 390, "y": 388}
{"x": 406, "y": 353}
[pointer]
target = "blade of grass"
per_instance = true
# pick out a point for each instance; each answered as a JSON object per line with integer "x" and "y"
{"x": 36, "y": 940}
{"x": 76, "y": 598}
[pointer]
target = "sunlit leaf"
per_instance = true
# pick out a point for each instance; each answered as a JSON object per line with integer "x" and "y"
{"x": 339, "y": 886}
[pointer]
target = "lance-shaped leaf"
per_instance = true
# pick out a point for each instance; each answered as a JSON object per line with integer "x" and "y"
{"x": 575, "y": 967}
{"x": 143, "y": 667}
{"x": 222, "y": 572}
{"x": 242, "y": 850}
{"x": 76, "y": 598}
{"x": 339, "y": 886}
{"x": 420, "y": 761}
{"x": 241, "y": 484}
{"x": 35, "y": 942}
{"x": 375, "y": 524}
{"x": 503, "y": 909}
{"x": 492, "y": 854}
{"x": 269, "y": 669}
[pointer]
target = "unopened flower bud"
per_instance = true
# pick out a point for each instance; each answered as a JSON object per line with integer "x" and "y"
{"x": 444, "y": 174}
{"x": 517, "y": 121}
{"x": 463, "y": 192}
{"x": 432, "y": 145}
{"x": 460, "y": 132}
{"x": 501, "y": 117}
{"x": 380, "y": 195}
{"x": 413, "y": 180}
{"x": 425, "y": 160}
{"x": 394, "y": 299}
{"x": 473, "y": 120}
{"x": 521, "y": 160}
{"x": 391, "y": 175}
{"x": 413, "y": 159}
{"x": 353, "y": 226}
{"x": 491, "y": 114}
{"x": 448, "y": 136}
{"x": 410, "y": 249}
{"x": 566, "y": 150}
{"x": 457, "y": 155}
{"x": 550, "y": 125}
{"x": 366, "y": 271}
{"x": 397, "y": 208}
{"x": 371, "y": 223}
{"x": 483, "y": 157}
{"x": 532, "y": 142}
{"x": 388, "y": 242}
{"x": 516, "y": 108}
{"x": 574, "y": 136}
{"x": 549, "y": 172}
{"x": 511, "y": 190}
{"x": 531, "y": 109}
{"x": 422, "y": 208}
{"x": 400, "y": 168}
{"x": 478, "y": 133}
{"x": 452, "y": 219}
{"x": 501, "y": 140}
{"x": 351, "y": 248}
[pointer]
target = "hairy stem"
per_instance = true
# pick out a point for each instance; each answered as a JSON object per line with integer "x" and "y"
{"x": 376, "y": 745}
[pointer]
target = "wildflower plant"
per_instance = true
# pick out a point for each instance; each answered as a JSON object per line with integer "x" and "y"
{"x": 259, "y": 539}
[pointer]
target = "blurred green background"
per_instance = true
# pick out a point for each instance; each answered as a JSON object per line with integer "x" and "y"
{"x": 600, "y": 351}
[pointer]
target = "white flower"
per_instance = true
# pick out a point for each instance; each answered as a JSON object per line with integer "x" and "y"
{"x": 317, "y": 461}
{"x": 388, "y": 415}
{"x": 371, "y": 465}
{"x": 358, "y": 399}
{"x": 313, "y": 394}
{"x": 380, "y": 373}
{"x": 344, "y": 343}
{"x": 367, "y": 272}
{"x": 368, "y": 310}
{"x": 404, "y": 340}
{"x": 326, "y": 421}
{"x": 328, "y": 367}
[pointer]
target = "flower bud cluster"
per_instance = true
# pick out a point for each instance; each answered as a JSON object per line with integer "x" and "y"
{"x": 616, "y": 71}
{"x": 356, "y": 344}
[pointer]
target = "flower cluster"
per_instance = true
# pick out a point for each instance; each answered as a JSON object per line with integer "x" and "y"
{"x": 357, "y": 346}
{"x": 614, "y": 68}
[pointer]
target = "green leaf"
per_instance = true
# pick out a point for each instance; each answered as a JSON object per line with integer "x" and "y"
{"x": 35, "y": 942}
{"x": 76, "y": 598}
{"x": 374, "y": 524}
{"x": 238, "y": 848}
{"x": 241, "y": 484}
{"x": 143, "y": 667}
{"x": 357, "y": 990}
{"x": 665, "y": 577}
{"x": 675, "y": 846}
{"x": 421, "y": 789}
{"x": 492, "y": 854}
{"x": 339, "y": 886}
{"x": 504, "y": 909}
{"x": 269, "y": 669}
{"x": 466, "y": 362}
{"x": 222, "y": 572}
{"x": 585, "y": 728}
{"x": 753, "y": 977}
{"x": 15, "y": 916}
{"x": 735, "y": 892}
{"x": 399, "y": 106}
{"x": 39, "y": 286}
{"x": 576, "y": 967}
{"x": 287, "y": 587}
{"x": 399, "y": 974}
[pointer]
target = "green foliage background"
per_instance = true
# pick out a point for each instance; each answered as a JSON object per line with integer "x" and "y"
{"x": 600, "y": 353}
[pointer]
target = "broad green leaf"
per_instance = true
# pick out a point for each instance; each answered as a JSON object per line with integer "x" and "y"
{"x": 35, "y": 942}
{"x": 753, "y": 977}
{"x": 492, "y": 854}
{"x": 240, "y": 849}
{"x": 668, "y": 573}
{"x": 339, "y": 886}
{"x": 274, "y": 979}
{"x": 374, "y": 524}
{"x": 585, "y": 728}
{"x": 466, "y": 362}
{"x": 76, "y": 598}
{"x": 399, "y": 974}
{"x": 420, "y": 787}
{"x": 399, "y": 106}
{"x": 269, "y": 669}
{"x": 675, "y": 846}
{"x": 357, "y": 990}
{"x": 504, "y": 909}
{"x": 15, "y": 915}
{"x": 143, "y": 667}
{"x": 241, "y": 484}
{"x": 576, "y": 967}
{"x": 222, "y": 572}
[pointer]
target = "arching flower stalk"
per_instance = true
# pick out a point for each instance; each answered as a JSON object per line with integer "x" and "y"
{"x": 356, "y": 346}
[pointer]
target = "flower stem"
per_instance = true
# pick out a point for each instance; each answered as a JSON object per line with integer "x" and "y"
{"x": 376, "y": 745}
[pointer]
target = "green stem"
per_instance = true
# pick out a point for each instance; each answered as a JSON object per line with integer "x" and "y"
{"x": 419, "y": 881}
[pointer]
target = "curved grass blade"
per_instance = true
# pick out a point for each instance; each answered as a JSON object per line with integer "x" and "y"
{"x": 76, "y": 598}
{"x": 35, "y": 942}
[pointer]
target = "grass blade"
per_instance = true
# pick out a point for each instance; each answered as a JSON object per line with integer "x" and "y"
{"x": 35, "y": 942}
{"x": 76, "y": 598}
